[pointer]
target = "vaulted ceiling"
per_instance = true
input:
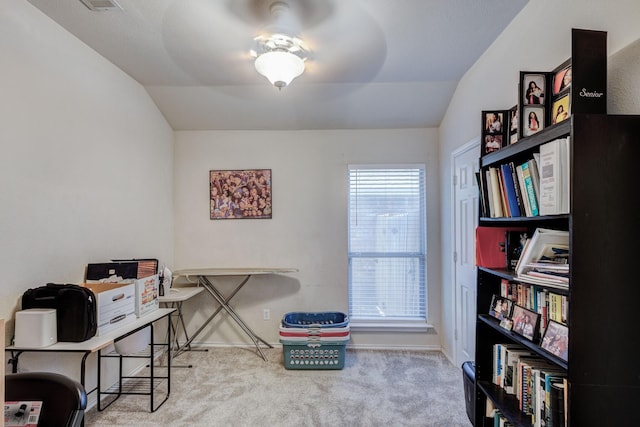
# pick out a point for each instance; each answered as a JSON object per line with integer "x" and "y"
{"x": 373, "y": 63}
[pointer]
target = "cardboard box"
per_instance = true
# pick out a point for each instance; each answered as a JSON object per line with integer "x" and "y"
{"x": 147, "y": 294}
{"x": 116, "y": 304}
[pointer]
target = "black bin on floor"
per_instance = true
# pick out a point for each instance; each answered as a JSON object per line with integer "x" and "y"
{"x": 469, "y": 379}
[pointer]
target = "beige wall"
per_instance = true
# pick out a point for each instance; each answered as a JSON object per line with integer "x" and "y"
{"x": 87, "y": 169}
{"x": 309, "y": 226}
{"x": 538, "y": 39}
{"x": 86, "y": 162}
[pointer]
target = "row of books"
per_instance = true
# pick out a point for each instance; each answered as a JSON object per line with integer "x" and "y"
{"x": 550, "y": 305}
{"x": 537, "y": 186}
{"x": 505, "y": 192}
{"x": 538, "y": 385}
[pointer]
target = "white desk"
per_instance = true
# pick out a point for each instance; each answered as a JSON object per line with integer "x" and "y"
{"x": 201, "y": 276}
{"x": 176, "y": 297}
{"x": 99, "y": 343}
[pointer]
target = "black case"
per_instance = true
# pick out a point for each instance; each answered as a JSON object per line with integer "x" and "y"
{"x": 469, "y": 381}
{"x": 103, "y": 270}
{"x": 75, "y": 306}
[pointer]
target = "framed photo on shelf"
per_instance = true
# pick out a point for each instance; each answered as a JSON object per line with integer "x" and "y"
{"x": 562, "y": 77}
{"x": 494, "y": 130}
{"x": 556, "y": 339}
{"x": 500, "y": 307}
{"x": 492, "y": 143}
{"x": 560, "y": 109}
{"x": 493, "y": 122}
{"x": 525, "y": 322}
{"x": 533, "y": 120}
{"x": 506, "y": 324}
{"x": 514, "y": 122}
{"x": 533, "y": 87}
{"x": 240, "y": 194}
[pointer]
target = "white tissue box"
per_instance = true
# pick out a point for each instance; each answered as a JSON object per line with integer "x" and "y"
{"x": 36, "y": 327}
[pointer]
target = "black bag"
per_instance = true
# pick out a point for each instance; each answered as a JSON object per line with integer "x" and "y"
{"x": 75, "y": 305}
{"x": 469, "y": 382}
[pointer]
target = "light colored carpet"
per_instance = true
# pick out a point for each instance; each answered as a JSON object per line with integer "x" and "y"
{"x": 235, "y": 387}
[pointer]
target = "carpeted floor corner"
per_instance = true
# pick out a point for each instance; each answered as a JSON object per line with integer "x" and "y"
{"x": 235, "y": 387}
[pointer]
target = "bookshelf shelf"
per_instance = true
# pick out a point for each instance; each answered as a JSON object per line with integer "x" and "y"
{"x": 506, "y": 403}
{"x": 493, "y": 323}
{"x": 602, "y": 372}
{"x": 527, "y": 144}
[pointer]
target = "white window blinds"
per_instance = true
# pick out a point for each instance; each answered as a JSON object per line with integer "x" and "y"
{"x": 387, "y": 224}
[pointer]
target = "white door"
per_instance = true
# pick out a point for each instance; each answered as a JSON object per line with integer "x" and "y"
{"x": 465, "y": 212}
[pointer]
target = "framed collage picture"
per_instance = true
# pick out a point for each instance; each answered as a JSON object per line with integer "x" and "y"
{"x": 533, "y": 102}
{"x": 494, "y": 130}
{"x": 514, "y": 123}
{"x": 240, "y": 194}
{"x": 562, "y": 78}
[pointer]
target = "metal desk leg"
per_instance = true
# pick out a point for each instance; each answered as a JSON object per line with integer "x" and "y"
{"x": 179, "y": 349}
{"x": 224, "y": 303}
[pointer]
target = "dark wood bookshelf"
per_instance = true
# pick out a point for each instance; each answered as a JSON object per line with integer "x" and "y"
{"x": 602, "y": 370}
{"x": 603, "y": 374}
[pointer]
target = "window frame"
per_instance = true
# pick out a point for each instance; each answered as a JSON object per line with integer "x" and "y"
{"x": 396, "y": 323}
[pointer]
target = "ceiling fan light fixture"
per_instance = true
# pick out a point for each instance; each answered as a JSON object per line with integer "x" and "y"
{"x": 279, "y": 67}
{"x": 278, "y": 56}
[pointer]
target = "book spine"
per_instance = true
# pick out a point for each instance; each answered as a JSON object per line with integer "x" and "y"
{"x": 530, "y": 189}
{"x": 489, "y": 188}
{"x": 517, "y": 189}
{"x": 550, "y": 184}
{"x": 523, "y": 191}
{"x": 503, "y": 194}
{"x": 496, "y": 193}
{"x": 534, "y": 171}
{"x": 557, "y": 403}
{"x": 510, "y": 190}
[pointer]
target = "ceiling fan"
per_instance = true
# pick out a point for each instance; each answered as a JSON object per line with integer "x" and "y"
{"x": 279, "y": 53}
{"x": 328, "y": 40}
{"x": 220, "y": 44}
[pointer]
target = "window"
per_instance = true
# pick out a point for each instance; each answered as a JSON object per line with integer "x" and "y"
{"x": 387, "y": 224}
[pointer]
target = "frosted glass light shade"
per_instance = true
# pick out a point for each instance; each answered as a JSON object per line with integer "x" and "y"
{"x": 279, "y": 67}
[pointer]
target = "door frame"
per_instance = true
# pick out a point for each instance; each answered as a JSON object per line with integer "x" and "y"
{"x": 473, "y": 144}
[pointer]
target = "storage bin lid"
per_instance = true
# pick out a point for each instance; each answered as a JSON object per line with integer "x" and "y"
{"x": 324, "y": 319}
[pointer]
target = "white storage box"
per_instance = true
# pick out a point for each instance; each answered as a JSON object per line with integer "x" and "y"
{"x": 116, "y": 304}
{"x": 36, "y": 327}
{"x": 147, "y": 294}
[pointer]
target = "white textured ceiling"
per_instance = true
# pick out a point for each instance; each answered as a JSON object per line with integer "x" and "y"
{"x": 374, "y": 63}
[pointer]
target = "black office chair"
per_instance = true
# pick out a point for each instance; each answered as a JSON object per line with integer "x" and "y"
{"x": 64, "y": 400}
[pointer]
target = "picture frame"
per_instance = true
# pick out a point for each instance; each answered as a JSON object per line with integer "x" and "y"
{"x": 514, "y": 124}
{"x": 533, "y": 101}
{"x": 560, "y": 109}
{"x": 556, "y": 339}
{"x": 240, "y": 194}
{"x": 500, "y": 307}
{"x": 532, "y": 120}
{"x": 562, "y": 78}
{"x": 533, "y": 88}
{"x": 495, "y": 125}
{"x": 492, "y": 143}
{"x": 525, "y": 322}
{"x": 494, "y": 122}
{"x": 506, "y": 324}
